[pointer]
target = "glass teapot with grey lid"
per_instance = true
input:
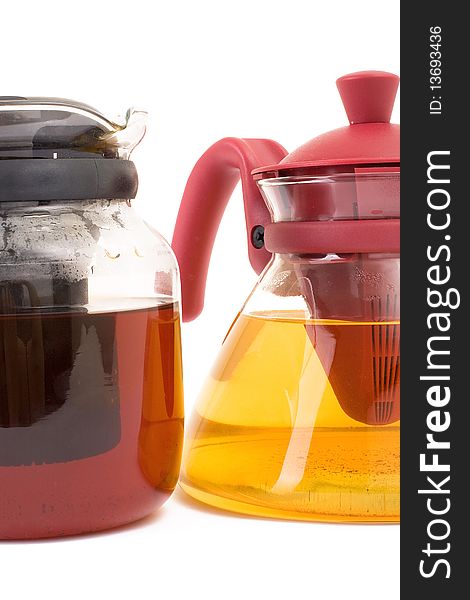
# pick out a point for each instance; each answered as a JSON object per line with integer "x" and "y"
{"x": 91, "y": 408}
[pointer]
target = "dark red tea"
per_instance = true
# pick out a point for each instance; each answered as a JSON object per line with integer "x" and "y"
{"x": 91, "y": 418}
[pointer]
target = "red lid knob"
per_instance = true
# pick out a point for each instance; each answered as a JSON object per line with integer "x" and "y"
{"x": 368, "y": 96}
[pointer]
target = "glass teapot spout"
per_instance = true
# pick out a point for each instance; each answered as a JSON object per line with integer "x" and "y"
{"x": 127, "y": 135}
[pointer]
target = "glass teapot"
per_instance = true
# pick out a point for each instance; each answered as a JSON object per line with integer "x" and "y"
{"x": 91, "y": 404}
{"x": 299, "y": 417}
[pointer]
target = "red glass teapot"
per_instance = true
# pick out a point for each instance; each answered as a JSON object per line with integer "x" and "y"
{"x": 299, "y": 417}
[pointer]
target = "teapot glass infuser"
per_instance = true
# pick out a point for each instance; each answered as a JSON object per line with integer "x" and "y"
{"x": 299, "y": 417}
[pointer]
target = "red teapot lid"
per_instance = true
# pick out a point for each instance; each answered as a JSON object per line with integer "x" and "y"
{"x": 370, "y": 139}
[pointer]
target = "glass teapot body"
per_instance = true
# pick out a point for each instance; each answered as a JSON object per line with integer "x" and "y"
{"x": 91, "y": 402}
{"x": 299, "y": 417}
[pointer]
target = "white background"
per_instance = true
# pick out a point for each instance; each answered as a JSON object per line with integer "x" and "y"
{"x": 204, "y": 70}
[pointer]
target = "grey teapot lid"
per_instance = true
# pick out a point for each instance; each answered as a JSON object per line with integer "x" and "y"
{"x": 55, "y": 149}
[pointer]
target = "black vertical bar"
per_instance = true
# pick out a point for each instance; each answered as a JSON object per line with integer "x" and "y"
{"x": 435, "y": 272}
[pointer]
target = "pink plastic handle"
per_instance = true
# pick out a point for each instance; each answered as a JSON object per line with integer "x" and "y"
{"x": 205, "y": 198}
